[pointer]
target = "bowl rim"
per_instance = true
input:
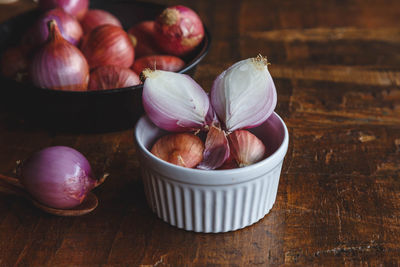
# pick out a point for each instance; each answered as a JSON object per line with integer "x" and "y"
{"x": 206, "y": 42}
{"x": 226, "y": 176}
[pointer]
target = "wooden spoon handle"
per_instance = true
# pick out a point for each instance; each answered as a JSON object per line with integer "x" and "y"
{"x": 11, "y": 180}
{"x": 9, "y": 188}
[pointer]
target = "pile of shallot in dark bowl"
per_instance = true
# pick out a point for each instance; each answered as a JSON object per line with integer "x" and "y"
{"x": 88, "y": 105}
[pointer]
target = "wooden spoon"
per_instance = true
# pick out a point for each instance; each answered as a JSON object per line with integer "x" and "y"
{"x": 12, "y": 185}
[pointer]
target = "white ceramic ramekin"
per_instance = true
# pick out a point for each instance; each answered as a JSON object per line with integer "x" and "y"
{"x": 218, "y": 200}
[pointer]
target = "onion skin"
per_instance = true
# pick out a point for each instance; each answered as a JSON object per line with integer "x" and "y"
{"x": 59, "y": 65}
{"x": 108, "y": 45}
{"x": 69, "y": 27}
{"x": 98, "y": 17}
{"x": 58, "y": 177}
{"x": 110, "y": 77}
{"x": 76, "y": 8}
{"x": 178, "y": 30}
{"x": 145, "y": 41}
{"x": 158, "y": 62}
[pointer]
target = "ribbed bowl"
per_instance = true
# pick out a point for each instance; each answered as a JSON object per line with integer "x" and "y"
{"x": 212, "y": 201}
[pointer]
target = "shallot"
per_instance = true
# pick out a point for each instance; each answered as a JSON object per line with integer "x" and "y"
{"x": 58, "y": 177}
{"x": 68, "y": 26}
{"x": 143, "y": 33}
{"x": 158, "y": 62}
{"x": 174, "y": 102}
{"x": 97, "y": 17}
{"x": 244, "y": 95}
{"x": 108, "y": 45}
{"x": 182, "y": 149}
{"x": 110, "y": 77}
{"x": 178, "y": 30}
{"x": 246, "y": 148}
{"x": 76, "y": 8}
{"x": 216, "y": 150}
{"x": 58, "y": 64}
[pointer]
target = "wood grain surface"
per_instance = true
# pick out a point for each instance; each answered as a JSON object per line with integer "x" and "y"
{"x": 336, "y": 66}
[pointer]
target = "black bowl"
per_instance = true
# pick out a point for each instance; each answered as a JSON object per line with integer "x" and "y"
{"x": 90, "y": 111}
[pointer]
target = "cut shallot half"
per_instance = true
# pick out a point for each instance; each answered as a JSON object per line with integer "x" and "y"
{"x": 173, "y": 101}
{"x": 244, "y": 95}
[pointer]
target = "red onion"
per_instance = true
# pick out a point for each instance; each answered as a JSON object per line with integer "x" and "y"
{"x": 174, "y": 102}
{"x": 59, "y": 65}
{"x": 110, "y": 77}
{"x": 145, "y": 41}
{"x": 178, "y": 30}
{"x": 158, "y": 62}
{"x": 76, "y": 8}
{"x": 108, "y": 45}
{"x": 14, "y": 62}
{"x": 69, "y": 27}
{"x": 58, "y": 177}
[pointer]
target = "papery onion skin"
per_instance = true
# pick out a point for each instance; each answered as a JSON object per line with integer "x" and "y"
{"x": 178, "y": 30}
{"x": 174, "y": 102}
{"x": 59, "y": 65}
{"x": 158, "y": 62}
{"x": 110, "y": 77}
{"x": 244, "y": 95}
{"x": 76, "y": 8}
{"x": 58, "y": 177}
{"x": 69, "y": 27}
{"x": 145, "y": 41}
{"x": 97, "y": 17}
{"x": 108, "y": 45}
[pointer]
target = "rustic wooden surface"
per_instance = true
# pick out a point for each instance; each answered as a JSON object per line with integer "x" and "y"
{"x": 336, "y": 65}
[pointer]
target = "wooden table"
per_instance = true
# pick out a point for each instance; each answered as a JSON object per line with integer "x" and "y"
{"x": 336, "y": 66}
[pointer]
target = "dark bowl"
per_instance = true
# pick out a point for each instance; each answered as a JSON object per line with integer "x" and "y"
{"x": 90, "y": 111}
